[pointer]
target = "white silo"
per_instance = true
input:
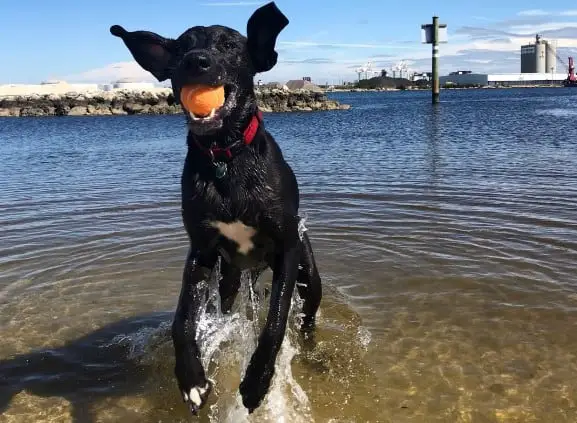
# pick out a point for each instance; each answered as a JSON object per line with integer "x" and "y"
{"x": 540, "y": 56}
{"x": 551, "y": 61}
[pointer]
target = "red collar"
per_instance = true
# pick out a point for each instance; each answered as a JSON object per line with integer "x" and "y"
{"x": 225, "y": 154}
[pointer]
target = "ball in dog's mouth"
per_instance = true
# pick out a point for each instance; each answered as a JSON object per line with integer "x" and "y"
{"x": 202, "y": 101}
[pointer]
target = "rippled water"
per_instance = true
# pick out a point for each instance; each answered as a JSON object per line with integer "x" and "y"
{"x": 446, "y": 239}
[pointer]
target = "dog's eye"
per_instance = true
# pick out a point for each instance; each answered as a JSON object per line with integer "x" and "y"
{"x": 189, "y": 43}
{"x": 227, "y": 44}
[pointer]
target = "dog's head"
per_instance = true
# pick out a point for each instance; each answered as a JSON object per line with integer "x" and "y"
{"x": 212, "y": 56}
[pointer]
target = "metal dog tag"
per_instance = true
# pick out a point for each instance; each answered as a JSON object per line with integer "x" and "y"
{"x": 220, "y": 169}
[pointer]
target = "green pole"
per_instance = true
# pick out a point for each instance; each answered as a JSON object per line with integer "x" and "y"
{"x": 435, "y": 60}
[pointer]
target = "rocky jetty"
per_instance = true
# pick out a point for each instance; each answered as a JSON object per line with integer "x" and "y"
{"x": 277, "y": 100}
{"x": 160, "y": 102}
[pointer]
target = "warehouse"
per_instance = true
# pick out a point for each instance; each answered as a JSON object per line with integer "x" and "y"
{"x": 500, "y": 79}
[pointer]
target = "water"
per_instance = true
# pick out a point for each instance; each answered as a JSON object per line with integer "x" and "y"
{"x": 446, "y": 239}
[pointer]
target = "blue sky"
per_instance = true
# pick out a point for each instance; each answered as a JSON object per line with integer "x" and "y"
{"x": 327, "y": 40}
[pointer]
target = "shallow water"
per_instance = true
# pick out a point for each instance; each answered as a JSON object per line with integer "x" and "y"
{"x": 446, "y": 239}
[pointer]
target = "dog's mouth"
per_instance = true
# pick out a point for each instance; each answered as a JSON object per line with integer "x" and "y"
{"x": 207, "y": 105}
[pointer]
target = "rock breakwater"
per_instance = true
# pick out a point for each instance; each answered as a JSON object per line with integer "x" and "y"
{"x": 159, "y": 102}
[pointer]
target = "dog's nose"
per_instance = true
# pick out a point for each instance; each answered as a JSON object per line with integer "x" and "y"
{"x": 198, "y": 64}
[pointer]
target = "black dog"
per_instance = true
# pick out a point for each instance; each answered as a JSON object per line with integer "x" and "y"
{"x": 240, "y": 199}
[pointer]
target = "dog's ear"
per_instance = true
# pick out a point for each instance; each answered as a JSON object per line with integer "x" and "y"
{"x": 262, "y": 30}
{"x": 151, "y": 51}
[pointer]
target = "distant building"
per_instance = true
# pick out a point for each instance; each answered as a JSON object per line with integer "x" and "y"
{"x": 421, "y": 76}
{"x": 62, "y": 87}
{"x": 540, "y": 57}
{"x": 483, "y": 79}
{"x": 131, "y": 85}
{"x": 276, "y": 85}
{"x": 46, "y": 87}
{"x": 302, "y": 84}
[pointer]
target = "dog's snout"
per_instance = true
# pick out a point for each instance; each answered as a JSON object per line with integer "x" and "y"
{"x": 198, "y": 64}
{"x": 203, "y": 63}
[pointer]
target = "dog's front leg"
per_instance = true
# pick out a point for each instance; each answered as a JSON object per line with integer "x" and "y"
{"x": 189, "y": 372}
{"x": 260, "y": 370}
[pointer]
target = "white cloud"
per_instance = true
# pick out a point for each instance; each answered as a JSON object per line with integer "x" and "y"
{"x": 533, "y": 12}
{"x": 531, "y": 30}
{"x": 297, "y": 44}
{"x": 541, "y": 12}
{"x": 483, "y": 18}
{"x": 481, "y": 61}
{"x": 113, "y": 72}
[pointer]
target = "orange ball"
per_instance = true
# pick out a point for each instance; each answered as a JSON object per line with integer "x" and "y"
{"x": 201, "y": 99}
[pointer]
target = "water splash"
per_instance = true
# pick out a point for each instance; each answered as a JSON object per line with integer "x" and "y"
{"x": 301, "y": 227}
{"x": 364, "y": 337}
{"x": 232, "y": 345}
{"x": 227, "y": 342}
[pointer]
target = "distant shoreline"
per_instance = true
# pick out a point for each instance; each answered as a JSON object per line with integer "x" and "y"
{"x": 159, "y": 102}
{"x": 359, "y": 90}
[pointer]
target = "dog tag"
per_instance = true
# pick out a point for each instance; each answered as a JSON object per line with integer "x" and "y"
{"x": 220, "y": 169}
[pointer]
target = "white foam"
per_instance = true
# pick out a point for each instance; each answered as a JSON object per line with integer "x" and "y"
{"x": 227, "y": 343}
{"x": 301, "y": 227}
{"x": 286, "y": 401}
{"x": 364, "y": 336}
{"x": 141, "y": 342}
{"x": 558, "y": 112}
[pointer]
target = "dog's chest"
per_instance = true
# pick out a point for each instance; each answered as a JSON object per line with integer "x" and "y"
{"x": 236, "y": 216}
{"x": 238, "y": 243}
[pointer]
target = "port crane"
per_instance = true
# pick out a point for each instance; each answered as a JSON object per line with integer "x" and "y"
{"x": 571, "y": 80}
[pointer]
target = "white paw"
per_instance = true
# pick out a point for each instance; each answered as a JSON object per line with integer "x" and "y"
{"x": 196, "y": 396}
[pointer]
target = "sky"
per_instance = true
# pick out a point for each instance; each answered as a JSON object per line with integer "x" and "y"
{"x": 325, "y": 39}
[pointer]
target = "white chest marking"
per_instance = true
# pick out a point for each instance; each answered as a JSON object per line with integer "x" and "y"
{"x": 237, "y": 232}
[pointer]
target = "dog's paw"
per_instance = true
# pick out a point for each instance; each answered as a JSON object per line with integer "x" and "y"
{"x": 196, "y": 397}
{"x": 253, "y": 390}
{"x": 308, "y": 326}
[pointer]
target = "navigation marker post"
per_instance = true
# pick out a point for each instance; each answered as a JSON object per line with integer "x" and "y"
{"x": 434, "y": 34}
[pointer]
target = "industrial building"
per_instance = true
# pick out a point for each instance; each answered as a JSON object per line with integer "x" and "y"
{"x": 538, "y": 67}
{"x": 540, "y": 57}
{"x": 131, "y": 85}
{"x": 503, "y": 79}
{"x": 46, "y": 87}
{"x": 63, "y": 87}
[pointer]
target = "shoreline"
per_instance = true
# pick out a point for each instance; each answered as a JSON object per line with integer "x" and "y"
{"x": 158, "y": 102}
{"x": 489, "y": 87}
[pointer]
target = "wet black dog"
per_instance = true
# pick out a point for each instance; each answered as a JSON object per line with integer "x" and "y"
{"x": 240, "y": 199}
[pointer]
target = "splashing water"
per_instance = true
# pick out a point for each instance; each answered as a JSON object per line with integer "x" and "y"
{"x": 227, "y": 343}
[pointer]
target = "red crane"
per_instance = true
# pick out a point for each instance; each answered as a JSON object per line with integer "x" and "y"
{"x": 571, "y": 75}
{"x": 571, "y": 80}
